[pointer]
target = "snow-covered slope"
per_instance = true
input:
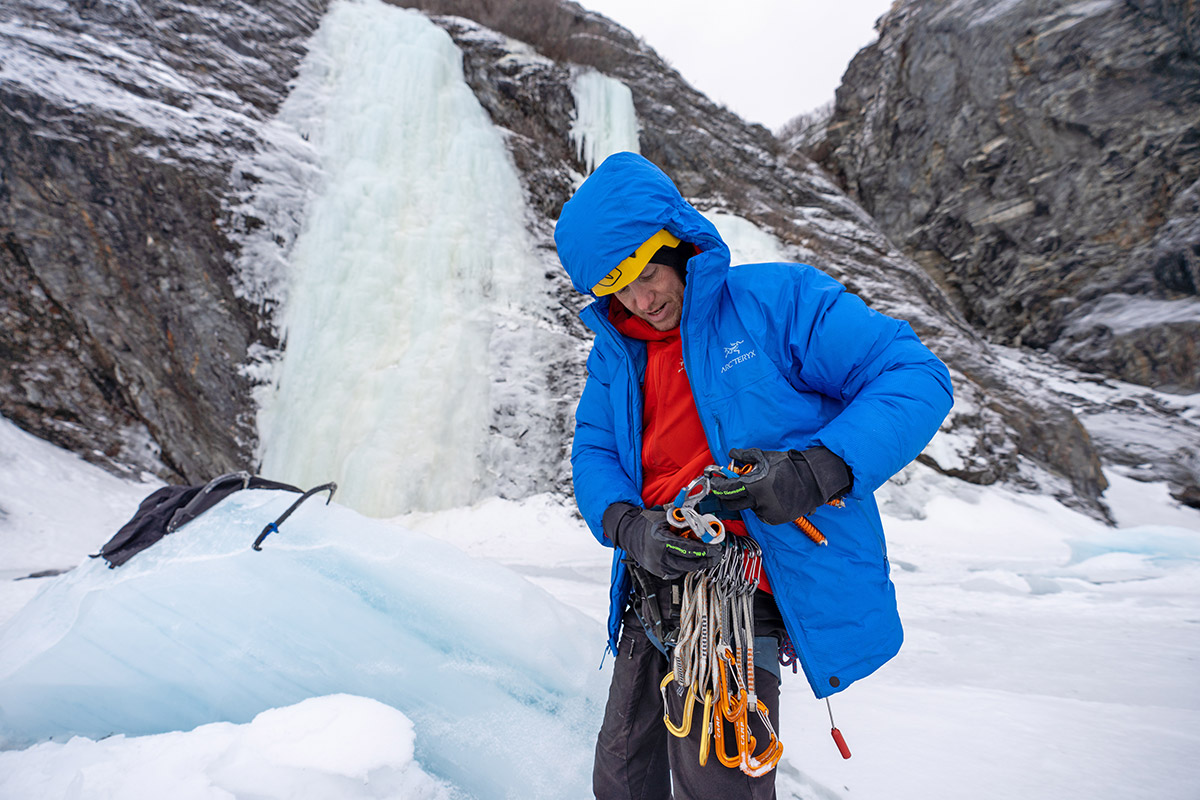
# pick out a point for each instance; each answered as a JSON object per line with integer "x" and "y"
{"x": 201, "y": 628}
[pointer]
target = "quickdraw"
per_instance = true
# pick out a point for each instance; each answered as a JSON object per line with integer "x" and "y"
{"x": 714, "y": 659}
{"x": 713, "y": 654}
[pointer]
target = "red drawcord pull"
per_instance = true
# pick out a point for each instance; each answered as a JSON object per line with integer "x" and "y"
{"x": 836, "y": 734}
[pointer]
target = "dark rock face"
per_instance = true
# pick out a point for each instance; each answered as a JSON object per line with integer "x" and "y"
{"x": 40, "y": 352}
{"x": 123, "y": 335}
{"x": 127, "y": 333}
{"x": 1041, "y": 159}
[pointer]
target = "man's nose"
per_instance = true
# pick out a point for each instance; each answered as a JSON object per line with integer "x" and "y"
{"x": 642, "y": 297}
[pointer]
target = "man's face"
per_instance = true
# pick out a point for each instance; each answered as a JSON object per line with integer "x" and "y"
{"x": 655, "y": 296}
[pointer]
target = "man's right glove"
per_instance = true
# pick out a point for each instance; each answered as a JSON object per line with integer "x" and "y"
{"x": 652, "y": 542}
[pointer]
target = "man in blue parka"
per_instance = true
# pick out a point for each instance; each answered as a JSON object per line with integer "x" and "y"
{"x": 692, "y": 359}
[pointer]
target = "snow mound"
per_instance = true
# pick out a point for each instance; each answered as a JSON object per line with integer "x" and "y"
{"x": 498, "y": 677}
{"x": 337, "y": 746}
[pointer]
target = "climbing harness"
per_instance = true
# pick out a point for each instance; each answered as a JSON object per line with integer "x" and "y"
{"x": 648, "y": 612}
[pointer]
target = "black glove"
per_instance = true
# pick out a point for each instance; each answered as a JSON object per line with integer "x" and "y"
{"x": 782, "y": 486}
{"x": 652, "y": 542}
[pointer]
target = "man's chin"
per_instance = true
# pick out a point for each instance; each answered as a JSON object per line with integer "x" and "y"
{"x": 668, "y": 324}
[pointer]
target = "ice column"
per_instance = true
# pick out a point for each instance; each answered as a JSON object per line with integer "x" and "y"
{"x": 605, "y": 121}
{"x": 412, "y": 233}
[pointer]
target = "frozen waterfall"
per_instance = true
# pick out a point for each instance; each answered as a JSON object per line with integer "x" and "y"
{"x": 605, "y": 121}
{"x": 413, "y": 238}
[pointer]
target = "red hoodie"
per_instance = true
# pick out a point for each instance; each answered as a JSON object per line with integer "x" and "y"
{"x": 674, "y": 448}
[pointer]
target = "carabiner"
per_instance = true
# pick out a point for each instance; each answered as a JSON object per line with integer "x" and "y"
{"x": 682, "y": 514}
{"x": 764, "y": 762}
{"x": 705, "y": 725}
{"x": 685, "y": 727}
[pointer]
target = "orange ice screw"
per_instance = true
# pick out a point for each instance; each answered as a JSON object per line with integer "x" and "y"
{"x": 810, "y": 530}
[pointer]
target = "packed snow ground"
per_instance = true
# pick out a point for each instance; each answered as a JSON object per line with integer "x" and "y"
{"x": 454, "y": 654}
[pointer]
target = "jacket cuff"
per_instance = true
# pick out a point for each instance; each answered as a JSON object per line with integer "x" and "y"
{"x": 612, "y": 519}
{"x": 830, "y": 472}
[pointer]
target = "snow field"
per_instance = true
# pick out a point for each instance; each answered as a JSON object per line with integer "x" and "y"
{"x": 1046, "y": 656}
{"x": 336, "y": 746}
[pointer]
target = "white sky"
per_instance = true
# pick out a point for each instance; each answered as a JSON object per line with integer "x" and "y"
{"x": 767, "y": 61}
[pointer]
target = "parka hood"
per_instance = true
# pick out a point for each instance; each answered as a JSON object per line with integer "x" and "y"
{"x": 622, "y": 204}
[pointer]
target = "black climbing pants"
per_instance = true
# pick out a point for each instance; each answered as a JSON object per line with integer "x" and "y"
{"x": 638, "y": 759}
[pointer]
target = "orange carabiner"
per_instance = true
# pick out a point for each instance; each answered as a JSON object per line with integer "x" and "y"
{"x": 728, "y": 708}
{"x": 732, "y": 761}
{"x": 764, "y": 762}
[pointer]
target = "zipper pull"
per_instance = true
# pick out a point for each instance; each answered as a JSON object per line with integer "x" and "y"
{"x": 836, "y": 734}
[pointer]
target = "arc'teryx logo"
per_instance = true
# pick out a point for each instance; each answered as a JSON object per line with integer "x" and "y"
{"x": 733, "y": 352}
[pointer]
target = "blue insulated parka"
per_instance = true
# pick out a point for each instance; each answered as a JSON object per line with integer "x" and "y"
{"x": 779, "y": 356}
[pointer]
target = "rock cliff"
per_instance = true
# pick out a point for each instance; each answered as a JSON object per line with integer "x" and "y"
{"x": 1017, "y": 416}
{"x": 123, "y": 337}
{"x": 127, "y": 334}
{"x": 1041, "y": 159}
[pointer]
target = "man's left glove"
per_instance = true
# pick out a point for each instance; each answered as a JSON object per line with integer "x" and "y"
{"x": 647, "y": 536}
{"x": 781, "y": 486}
